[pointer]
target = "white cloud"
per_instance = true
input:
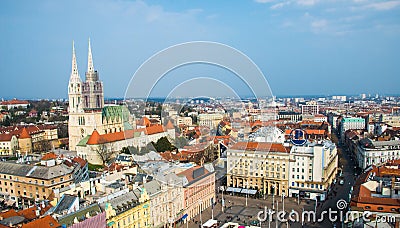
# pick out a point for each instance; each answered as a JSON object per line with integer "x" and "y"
{"x": 264, "y": 1}
{"x": 306, "y": 2}
{"x": 384, "y": 5}
{"x": 319, "y": 24}
{"x": 279, "y": 5}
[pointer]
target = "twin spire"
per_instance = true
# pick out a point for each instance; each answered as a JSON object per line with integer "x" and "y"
{"x": 74, "y": 71}
{"x": 90, "y": 68}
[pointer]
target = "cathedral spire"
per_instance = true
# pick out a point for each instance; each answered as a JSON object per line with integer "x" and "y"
{"x": 90, "y": 68}
{"x": 74, "y": 70}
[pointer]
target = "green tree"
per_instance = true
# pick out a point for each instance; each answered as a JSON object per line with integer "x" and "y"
{"x": 163, "y": 145}
{"x": 7, "y": 121}
{"x": 125, "y": 150}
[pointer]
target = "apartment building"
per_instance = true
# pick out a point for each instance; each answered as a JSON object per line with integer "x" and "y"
{"x": 260, "y": 166}
{"x": 313, "y": 168}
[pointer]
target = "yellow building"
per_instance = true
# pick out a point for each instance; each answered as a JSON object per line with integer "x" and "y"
{"x": 260, "y": 166}
{"x": 8, "y": 144}
{"x": 25, "y": 142}
{"x": 26, "y": 184}
{"x": 131, "y": 209}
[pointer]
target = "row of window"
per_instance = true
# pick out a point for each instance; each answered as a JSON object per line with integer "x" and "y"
{"x": 308, "y": 185}
{"x": 302, "y": 170}
{"x": 127, "y": 220}
{"x": 302, "y": 177}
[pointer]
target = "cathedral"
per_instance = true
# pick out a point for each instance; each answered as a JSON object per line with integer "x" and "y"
{"x": 86, "y": 109}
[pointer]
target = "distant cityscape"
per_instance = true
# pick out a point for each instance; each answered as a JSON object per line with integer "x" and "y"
{"x": 87, "y": 161}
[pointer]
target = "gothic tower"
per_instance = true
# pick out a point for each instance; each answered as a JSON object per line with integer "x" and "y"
{"x": 75, "y": 109}
{"x": 92, "y": 88}
{"x": 86, "y": 102}
{"x": 74, "y": 87}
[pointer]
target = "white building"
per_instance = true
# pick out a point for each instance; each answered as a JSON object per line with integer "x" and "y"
{"x": 111, "y": 143}
{"x": 210, "y": 120}
{"x": 12, "y": 104}
{"x": 319, "y": 118}
{"x": 351, "y": 123}
{"x": 312, "y": 169}
{"x": 268, "y": 134}
{"x": 310, "y": 108}
{"x": 376, "y": 152}
{"x": 339, "y": 98}
{"x": 184, "y": 120}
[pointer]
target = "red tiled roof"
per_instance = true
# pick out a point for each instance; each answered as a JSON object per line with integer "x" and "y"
{"x": 5, "y": 137}
{"x": 46, "y": 127}
{"x": 13, "y": 102}
{"x": 189, "y": 173}
{"x": 96, "y": 138}
{"x": 29, "y": 213}
{"x": 79, "y": 160}
{"x": 314, "y": 132}
{"x": 145, "y": 122}
{"x": 362, "y": 194}
{"x": 308, "y": 131}
{"x": 170, "y": 125}
{"x": 45, "y": 222}
{"x": 259, "y": 146}
{"x": 24, "y": 134}
{"x": 49, "y": 156}
{"x": 154, "y": 129}
{"x": 8, "y": 214}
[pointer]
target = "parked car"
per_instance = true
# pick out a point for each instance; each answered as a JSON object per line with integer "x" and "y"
{"x": 341, "y": 182}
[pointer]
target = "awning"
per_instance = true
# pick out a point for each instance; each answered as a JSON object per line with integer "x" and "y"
{"x": 184, "y": 216}
{"x": 248, "y": 191}
{"x": 230, "y": 189}
{"x": 210, "y": 223}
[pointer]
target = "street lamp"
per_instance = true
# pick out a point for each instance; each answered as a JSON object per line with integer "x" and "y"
{"x": 222, "y": 200}
{"x": 298, "y": 198}
{"x": 269, "y": 218}
{"x": 277, "y": 208}
{"x": 201, "y": 220}
{"x": 247, "y": 190}
{"x": 273, "y": 197}
{"x": 212, "y": 208}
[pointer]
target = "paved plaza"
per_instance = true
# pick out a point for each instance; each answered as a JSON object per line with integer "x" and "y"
{"x": 236, "y": 211}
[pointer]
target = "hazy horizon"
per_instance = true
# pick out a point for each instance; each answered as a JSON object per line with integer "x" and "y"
{"x": 303, "y": 47}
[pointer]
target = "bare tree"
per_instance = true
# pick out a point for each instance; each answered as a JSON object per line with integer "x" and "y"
{"x": 105, "y": 151}
{"x": 42, "y": 145}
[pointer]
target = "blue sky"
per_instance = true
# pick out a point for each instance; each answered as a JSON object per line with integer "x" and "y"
{"x": 302, "y": 46}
